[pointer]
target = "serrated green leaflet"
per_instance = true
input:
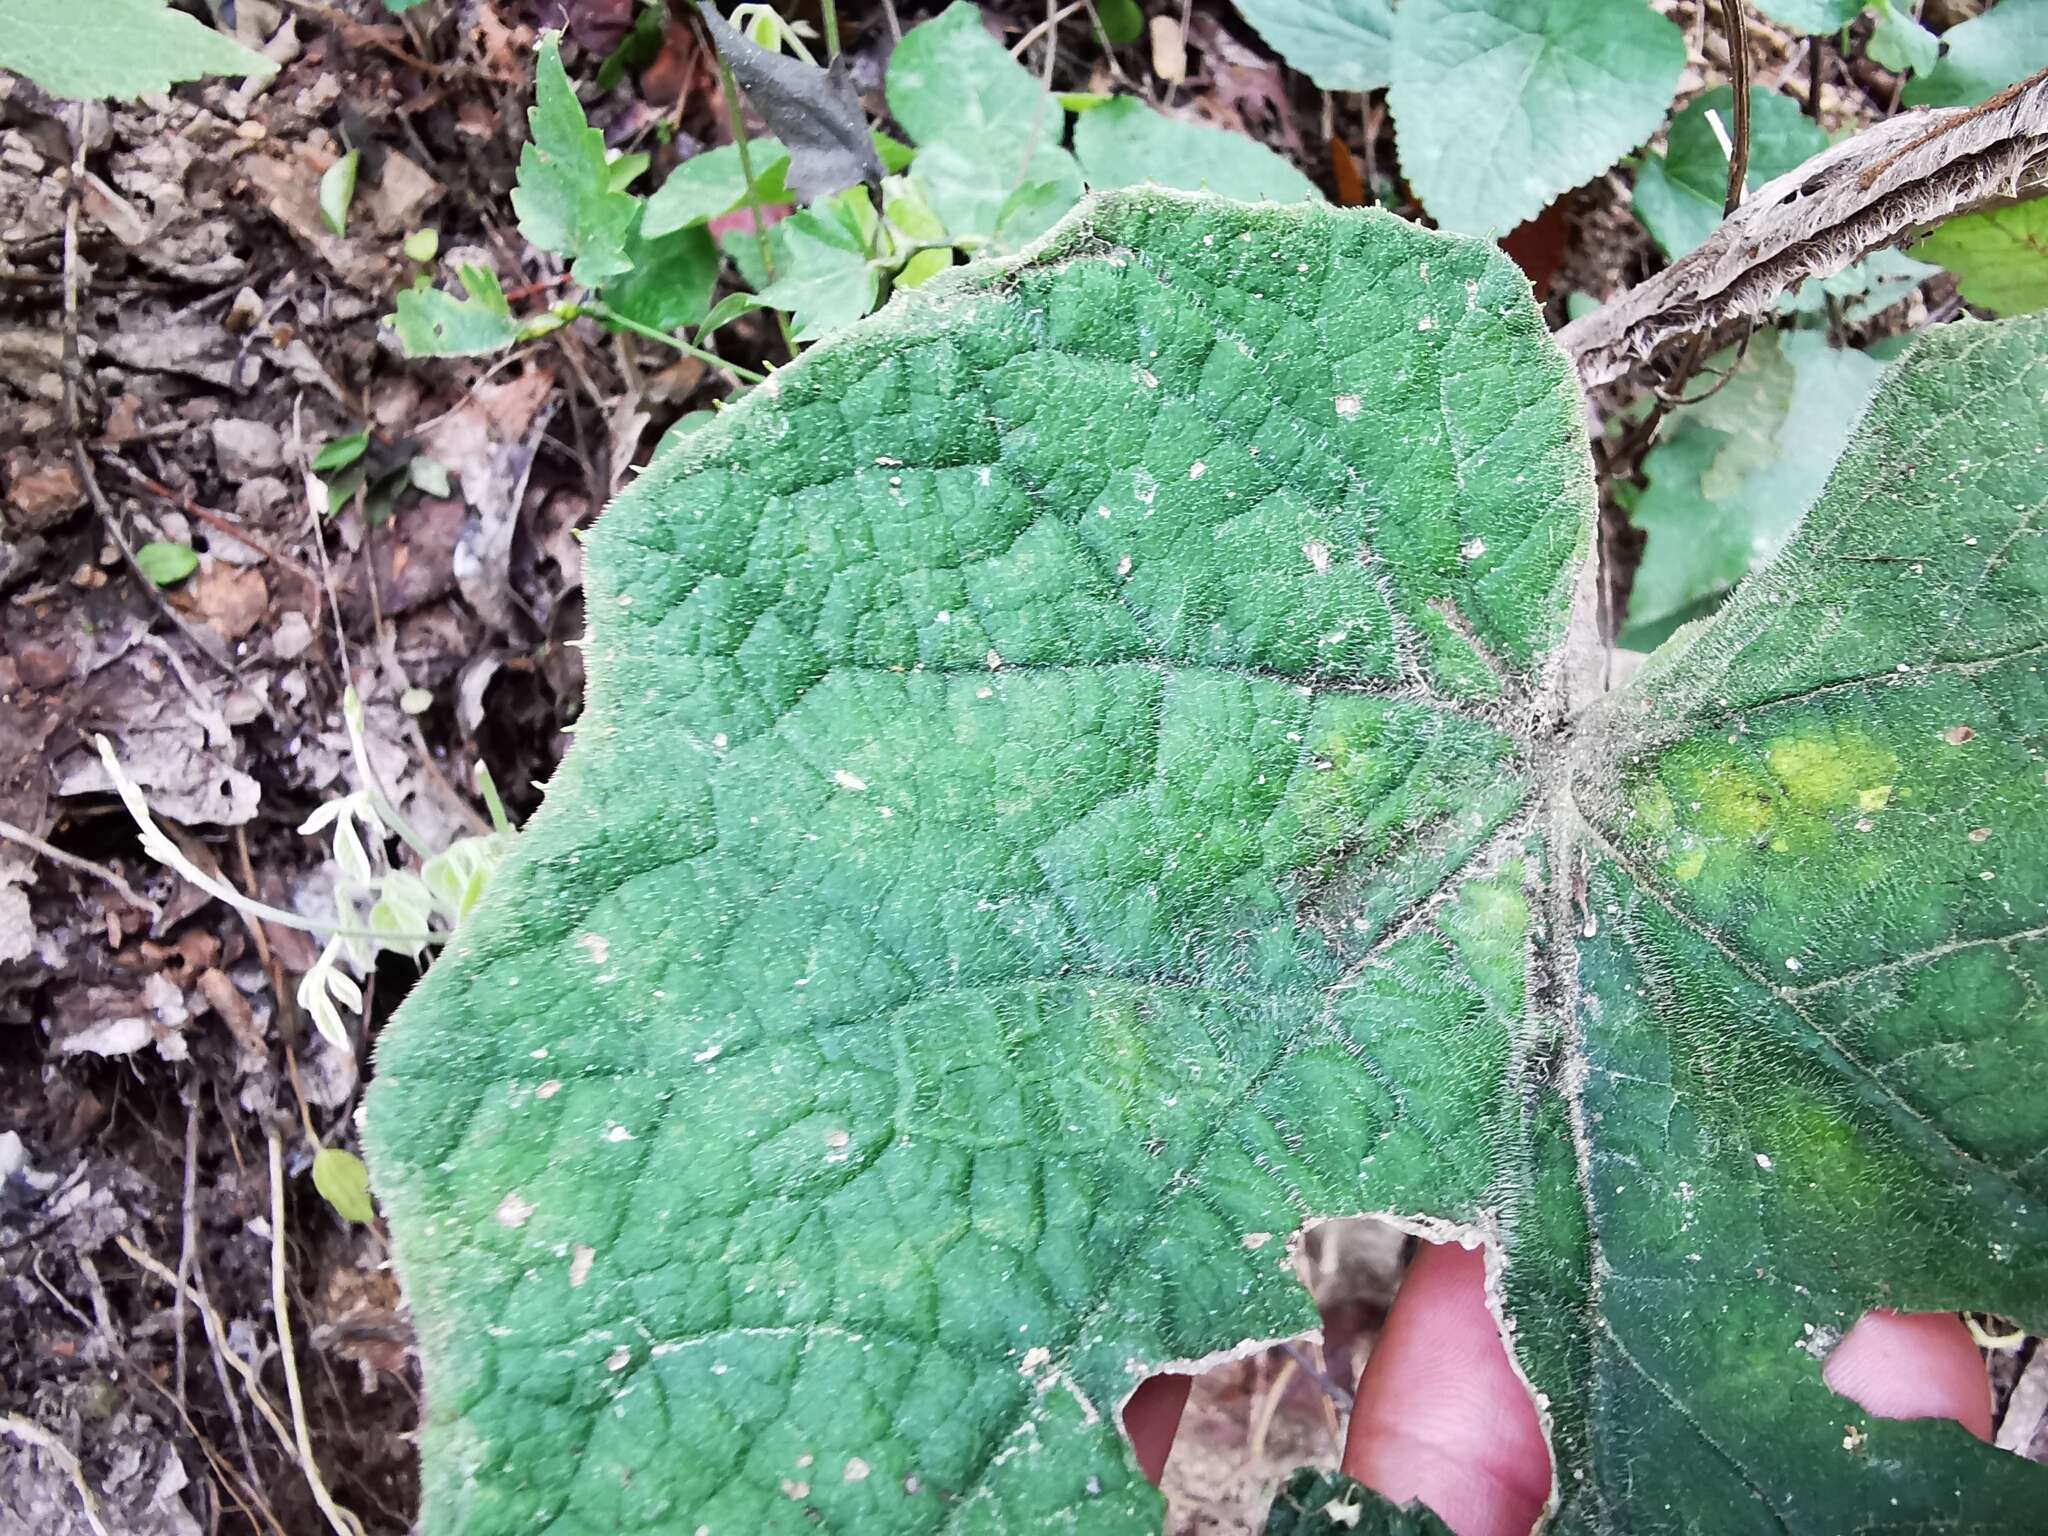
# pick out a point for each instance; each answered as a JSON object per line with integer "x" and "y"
{"x": 1076, "y": 781}
{"x": 1999, "y": 256}
{"x": 117, "y": 48}
{"x": 565, "y": 197}
{"x": 1500, "y": 105}
{"x": 432, "y": 322}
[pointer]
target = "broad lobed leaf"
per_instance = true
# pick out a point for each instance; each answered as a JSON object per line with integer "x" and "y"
{"x": 1079, "y": 779}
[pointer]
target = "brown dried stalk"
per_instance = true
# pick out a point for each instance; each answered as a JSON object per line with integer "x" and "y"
{"x": 1864, "y": 193}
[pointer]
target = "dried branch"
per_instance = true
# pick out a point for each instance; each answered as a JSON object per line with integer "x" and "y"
{"x": 1863, "y": 193}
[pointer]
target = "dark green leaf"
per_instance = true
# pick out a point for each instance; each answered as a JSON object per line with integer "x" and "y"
{"x": 1317, "y": 1503}
{"x": 1122, "y": 22}
{"x": 939, "y": 1023}
{"x": 341, "y": 452}
{"x": 725, "y": 311}
{"x": 671, "y": 279}
{"x": 637, "y": 49}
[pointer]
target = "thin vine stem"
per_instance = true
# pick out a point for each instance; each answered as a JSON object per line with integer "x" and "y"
{"x": 1738, "y": 75}
{"x": 738, "y": 121}
{"x": 601, "y": 311}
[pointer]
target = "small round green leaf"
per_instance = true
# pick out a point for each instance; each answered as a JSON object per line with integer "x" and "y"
{"x": 344, "y": 1183}
{"x": 166, "y": 564}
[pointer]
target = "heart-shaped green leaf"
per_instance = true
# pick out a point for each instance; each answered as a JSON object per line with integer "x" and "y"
{"x": 1500, "y": 105}
{"x": 1081, "y": 776}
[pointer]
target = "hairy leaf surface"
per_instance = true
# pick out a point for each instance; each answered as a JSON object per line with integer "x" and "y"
{"x": 1079, "y": 780}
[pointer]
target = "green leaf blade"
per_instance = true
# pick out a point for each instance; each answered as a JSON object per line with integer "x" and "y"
{"x": 1501, "y": 106}
{"x": 166, "y": 564}
{"x": 1990, "y": 51}
{"x": 1126, "y": 144}
{"x": 1342, "y": 45}
{"x": 116, "y": 48}
{"x": 433, "y": 323}
{"x": 712, "y": 183}
{"x": 950, "y": 82}
{"x": 1680, "y": 193}
{"x": 1785, "y": 830}
{"x": 1077, "y": 777}
{"x": 1073, "y": 991}
{"x": 1999, "y": 257}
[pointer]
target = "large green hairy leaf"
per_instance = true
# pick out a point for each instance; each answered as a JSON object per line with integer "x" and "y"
{"x": 1081, "y": 777}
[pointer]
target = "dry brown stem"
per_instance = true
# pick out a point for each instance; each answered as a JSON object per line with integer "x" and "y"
{"x": 1864, "y": 193}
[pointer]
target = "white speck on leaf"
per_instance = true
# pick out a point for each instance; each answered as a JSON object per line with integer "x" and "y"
{"x": 515, "y": 1210}
{"x": 1472, "y": 549}
{"x": 857, "y": 1470}
{"x": 618, "y": 1359}
{"x": 579, "y": 1265}
{"x": 1318, "y": 554}
{"x": 597, "y": 946}
{"x": 548, "y": 1089}
{"x": 846, "y": 780}
{"x": 1763, "y": 1162}
{"x": 1349, "y": 406}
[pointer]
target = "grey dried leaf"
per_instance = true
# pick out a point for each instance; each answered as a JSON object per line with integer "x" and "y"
{"x": 815, "y": 112}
